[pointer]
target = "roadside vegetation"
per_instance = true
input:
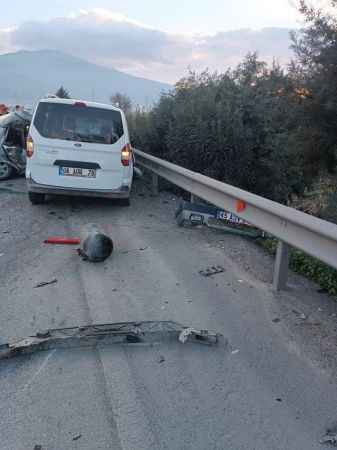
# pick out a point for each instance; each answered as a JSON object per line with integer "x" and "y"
{"x": 267, "y": 129}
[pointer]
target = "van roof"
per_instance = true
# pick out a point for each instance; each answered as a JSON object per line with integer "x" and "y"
{"x": 67, "y": 101}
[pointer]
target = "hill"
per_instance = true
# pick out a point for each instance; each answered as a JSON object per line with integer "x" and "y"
{"x": 26, "y": 76}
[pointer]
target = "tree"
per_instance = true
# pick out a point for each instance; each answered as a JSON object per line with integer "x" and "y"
{"x": 315, "y": 47}
{"x": 121, "y": 101}
{"x": 62, "y": 93}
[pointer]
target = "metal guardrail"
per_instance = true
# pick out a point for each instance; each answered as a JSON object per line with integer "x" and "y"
{"x": 295, "y": 228}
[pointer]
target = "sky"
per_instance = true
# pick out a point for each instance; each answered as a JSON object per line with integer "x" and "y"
{"x": 152, "y": 38}
{"x": 194, "y": 16}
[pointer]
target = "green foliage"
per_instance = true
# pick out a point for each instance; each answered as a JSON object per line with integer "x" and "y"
{"x": 62, "y": 93}
{"x": 316, "y": 68}
{"x": 121, "y": 101}
{"x": 324, "y": 275}
{"x": 261, "y": 128}
{"x": 234, "y": 127}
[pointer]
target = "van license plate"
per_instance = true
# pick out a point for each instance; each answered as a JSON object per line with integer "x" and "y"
{"x": 77, "y": 172}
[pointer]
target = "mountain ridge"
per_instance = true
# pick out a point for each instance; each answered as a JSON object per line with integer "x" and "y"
{"x": 26, "y": 76}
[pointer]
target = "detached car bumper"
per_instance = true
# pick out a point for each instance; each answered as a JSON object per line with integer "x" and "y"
{"x": 121, "y": 192}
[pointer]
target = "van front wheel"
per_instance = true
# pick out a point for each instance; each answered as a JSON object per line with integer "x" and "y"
{"x": 36, "y": 198}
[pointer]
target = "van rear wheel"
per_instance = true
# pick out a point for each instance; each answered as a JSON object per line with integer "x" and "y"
{"x": 36, "y": 198}
{"x": 124, "y": 201}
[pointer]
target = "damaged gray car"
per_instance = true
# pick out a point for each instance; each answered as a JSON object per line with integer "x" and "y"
{"x": 13, "y": 134}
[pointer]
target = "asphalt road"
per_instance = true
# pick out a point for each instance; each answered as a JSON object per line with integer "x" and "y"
{"x": 270, "y": 385}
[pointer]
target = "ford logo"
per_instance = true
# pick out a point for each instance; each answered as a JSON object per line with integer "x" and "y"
{"x": 78, "y": 145}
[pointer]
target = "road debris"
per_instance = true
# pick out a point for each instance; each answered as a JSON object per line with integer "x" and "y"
{"x": 96, "y": 246}
{"x": 45, "y": 283}
{"x": 276, "y": 320}
{"x": 193, "y": 214}
{"x": 58, "y": 240}
{"x": 77, "y": 437}
{"x": 235, "y": 352}
{"x": 13, "y": 136}
{"x": 107, "y": 334}
{"x": 329, "y": 438}
{"x": 161, "y": 359}
{"x": 214, "y": 270}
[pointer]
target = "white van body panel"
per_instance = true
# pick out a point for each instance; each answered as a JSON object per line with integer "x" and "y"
{"x": 43, "y": 168}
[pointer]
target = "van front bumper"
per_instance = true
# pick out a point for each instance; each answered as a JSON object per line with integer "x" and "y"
{"x": 122, "y": 192}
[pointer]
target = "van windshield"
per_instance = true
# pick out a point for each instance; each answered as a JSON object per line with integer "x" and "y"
{"x": 78, "y": 123}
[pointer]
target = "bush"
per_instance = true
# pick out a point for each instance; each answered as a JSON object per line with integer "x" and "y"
{"x": 313, "y": 269}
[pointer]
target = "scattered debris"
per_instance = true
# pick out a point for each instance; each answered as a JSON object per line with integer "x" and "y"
{"x": 214, "y": 270}
{"x": 137, "y": 172}
{"x": 115, "y": 333}
{"x": 52, "y": 213}
{"x": 199, "y": 214}
{"x": 57, "y": 240}
{"x": 279, "y": 399}
{"x": 45, "y": 283}
{"x": 13, "y": 135}
{"x": 161, "y": 359}
{"x": 240, "y": 281}
{"x": 97, "y": 247}
{"x": 37, "y": 447}
{"x": 143, "y": 248}
{"x": 200, "y": 335}
{"x": 329, "y": 438}
{"x": 276, "y": 320}
{"x": 235, "y": 352}
{"x": 300, "y": 315}
{"x": 77, "y": 437}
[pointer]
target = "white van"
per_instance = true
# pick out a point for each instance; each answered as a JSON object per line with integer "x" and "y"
{"x": 78, "y": 148}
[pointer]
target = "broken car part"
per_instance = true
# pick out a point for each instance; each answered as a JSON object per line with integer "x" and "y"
{"x": 13, "y": 135}
{"x": 214, "y": 270}
{"x": 62, "y": 241}
{"x": 114, "y": 333}
{"x": 96, "y": 246}
{"x": 198, "y": 214}
{"x": 45, "y": 283}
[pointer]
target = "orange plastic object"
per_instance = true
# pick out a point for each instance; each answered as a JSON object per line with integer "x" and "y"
{"x": 240, "y": 206}
{"x": 62, "y": 241}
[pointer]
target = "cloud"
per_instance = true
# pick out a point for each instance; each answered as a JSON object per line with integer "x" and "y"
{"x": 6, "y": 40}
{"x": 114, "y": 40}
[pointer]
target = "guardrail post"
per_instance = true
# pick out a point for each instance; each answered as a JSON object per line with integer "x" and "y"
{"x": 281, "y": 266}
{"x": 154, "y": 184}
